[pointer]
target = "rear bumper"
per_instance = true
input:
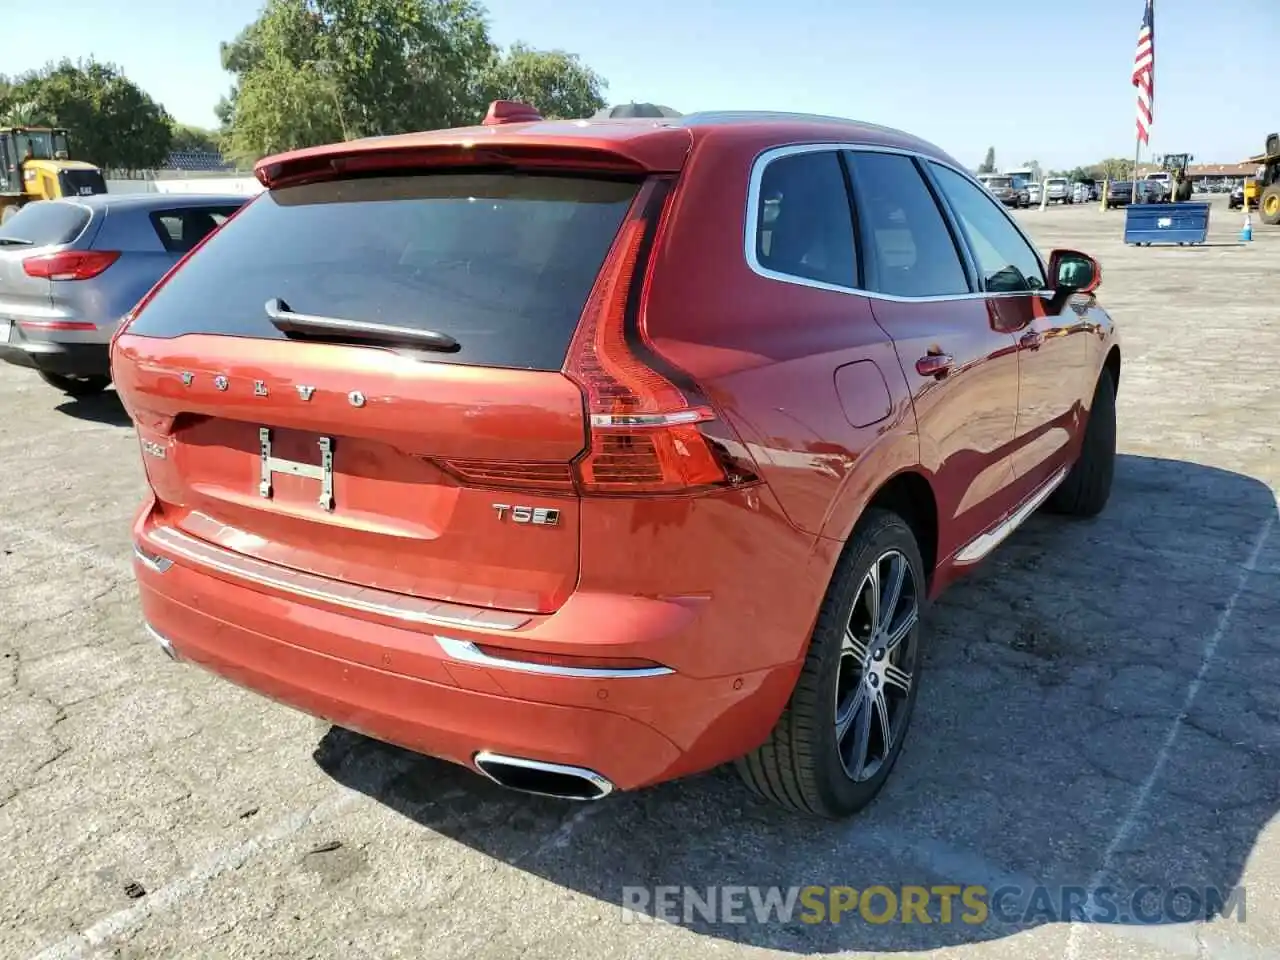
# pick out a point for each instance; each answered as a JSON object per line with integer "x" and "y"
{"x": 68, "y": 359}
{"x": 423, "y": 686}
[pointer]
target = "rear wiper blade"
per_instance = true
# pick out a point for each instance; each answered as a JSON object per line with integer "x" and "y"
{"x": 15, "y": 242}
{"x": 335, "y": 328}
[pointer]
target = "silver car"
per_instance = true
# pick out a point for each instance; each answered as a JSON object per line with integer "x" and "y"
{"x": 1058, "y": 190}
{"x": 70, "y": 269}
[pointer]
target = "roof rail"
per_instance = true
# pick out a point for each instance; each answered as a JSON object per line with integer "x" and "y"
{"x": 510, "y": 111}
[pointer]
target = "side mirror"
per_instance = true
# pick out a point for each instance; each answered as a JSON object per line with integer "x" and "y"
{"x": 1074, "y": 272}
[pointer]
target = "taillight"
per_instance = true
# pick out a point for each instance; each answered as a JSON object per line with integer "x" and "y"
{"x": 650, "y": 431}
{"x": 647, "y": 434}
{"x": 70, "y": 265}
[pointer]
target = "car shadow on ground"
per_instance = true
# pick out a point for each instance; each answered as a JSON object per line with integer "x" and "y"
{"x": 104, "y": 408}
{"x": 1047, "y": 748}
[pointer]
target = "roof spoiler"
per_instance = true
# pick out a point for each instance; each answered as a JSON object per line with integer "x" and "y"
{"x": 510, "y": 111}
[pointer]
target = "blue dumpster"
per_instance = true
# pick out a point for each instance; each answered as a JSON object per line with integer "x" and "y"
{"x": 1182, "y": 223}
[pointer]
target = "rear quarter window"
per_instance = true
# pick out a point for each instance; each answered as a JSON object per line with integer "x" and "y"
{"x": 804, "y": 228}
{"x": 180, "y": 230}
{"x": 501, "y": 262}
{"x": 47, "y": 223}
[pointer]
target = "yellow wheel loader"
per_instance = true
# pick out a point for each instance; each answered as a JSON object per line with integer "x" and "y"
{"x": 1263, "y": 191}
{"x": 36, "y": 164}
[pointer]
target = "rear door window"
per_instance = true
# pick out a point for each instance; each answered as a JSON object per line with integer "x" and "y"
{"x": 803, "y": 225}
{"x": 915, "y": 254}
{"x": 45, "y": 223}
{"x": 180, "y": 230}
{"x": 501, "y": 262}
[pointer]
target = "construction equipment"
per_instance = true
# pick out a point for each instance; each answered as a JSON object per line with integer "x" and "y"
{"x": 1176, "y": 164}
{"x": 1263, "y": 190}
{"x": 36, "y": 164}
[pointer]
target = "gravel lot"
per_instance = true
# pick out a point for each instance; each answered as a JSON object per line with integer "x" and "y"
{"x": 1102, "y": 706}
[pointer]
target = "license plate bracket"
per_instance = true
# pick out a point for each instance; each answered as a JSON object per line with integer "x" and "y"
{"x": 272, "y": 465}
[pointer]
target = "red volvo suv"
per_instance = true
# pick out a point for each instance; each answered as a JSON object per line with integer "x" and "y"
{"x": 590, "y": 454}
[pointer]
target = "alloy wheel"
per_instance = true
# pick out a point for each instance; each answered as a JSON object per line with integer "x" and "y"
{"x": 877, "y": 666}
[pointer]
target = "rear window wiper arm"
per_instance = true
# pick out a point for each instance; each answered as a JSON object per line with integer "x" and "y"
{"x": 335, "y": 328}
{"x": 15, "y": 242}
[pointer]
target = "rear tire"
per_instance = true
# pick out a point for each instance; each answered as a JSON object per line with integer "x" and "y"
{"x": 828, "y": 754}
{"x": 76, "y": 386}
{"x": 1087, "y": 487}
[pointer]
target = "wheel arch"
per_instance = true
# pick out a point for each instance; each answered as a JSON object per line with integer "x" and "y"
{"x": 1112, "y": 366}
{"x": 910, "y": 495}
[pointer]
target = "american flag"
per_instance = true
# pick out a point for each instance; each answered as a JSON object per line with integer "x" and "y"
{"x": 1144, "y": 71}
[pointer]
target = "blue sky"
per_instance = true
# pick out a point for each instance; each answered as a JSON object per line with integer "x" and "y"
{"x": 966, "y": 75}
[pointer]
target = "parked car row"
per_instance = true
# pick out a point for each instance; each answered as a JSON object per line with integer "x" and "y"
{"x": 1120, "y": 193}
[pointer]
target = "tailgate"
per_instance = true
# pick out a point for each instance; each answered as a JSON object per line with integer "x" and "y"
{"x": 443, "y": 470}
{"x": 396, "y": 506}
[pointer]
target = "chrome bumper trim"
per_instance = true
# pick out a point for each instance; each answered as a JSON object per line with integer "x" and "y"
{"x": 467, "y": 652}
{"x": 152, "y": 561}
{"x": 161, "y": 641}
{"x": 384, "y": 603}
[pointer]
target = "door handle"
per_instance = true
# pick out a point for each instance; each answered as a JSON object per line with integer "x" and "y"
{"x": 935, "y": 364}
{"x": 1031, "y": 340}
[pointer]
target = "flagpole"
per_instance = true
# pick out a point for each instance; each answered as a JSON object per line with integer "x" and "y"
{"x": 1137, "y": 153}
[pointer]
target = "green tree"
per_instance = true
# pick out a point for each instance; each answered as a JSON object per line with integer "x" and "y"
{"x": 311, "y": 71}
{"x": 1116, "y": 168}
{"x": 283, "y": 107}
{"x": 113, "y": 122}
{"x": 988, "y": 164}
{"x": 555, "y": 82}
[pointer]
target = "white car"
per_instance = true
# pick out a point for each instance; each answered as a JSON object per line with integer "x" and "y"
{"x": 1033, "y": 193}
{"x": 1080, "y": 193}
{"x": 1057, "y": 190}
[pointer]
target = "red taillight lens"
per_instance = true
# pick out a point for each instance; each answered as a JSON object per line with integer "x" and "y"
{"x": 70, "y": 265}
{"x": 647, "y": 435}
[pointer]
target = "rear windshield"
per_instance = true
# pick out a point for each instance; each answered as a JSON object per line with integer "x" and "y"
{"x": 501, "y": 262}
{"x": 46, "y": 222}
{"x": 82, "y": 183}
{"x": 999, "y": 183}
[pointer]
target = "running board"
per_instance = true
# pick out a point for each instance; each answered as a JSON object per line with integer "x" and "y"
{"x": 984, "y": 543}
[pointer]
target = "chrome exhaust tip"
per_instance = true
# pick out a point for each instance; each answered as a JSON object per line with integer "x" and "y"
{"x": 162, "y": 642}
{"x": 543, "y": 779}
